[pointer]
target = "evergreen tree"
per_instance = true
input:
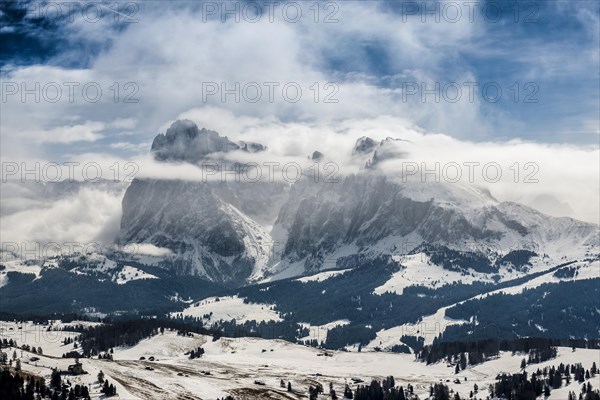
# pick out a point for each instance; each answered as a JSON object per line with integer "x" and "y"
{"x": 348, "y": 393}
{"x": 463, "y": 361}
{"x": 55, "y": 380}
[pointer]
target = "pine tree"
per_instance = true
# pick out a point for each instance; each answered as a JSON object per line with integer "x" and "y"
{"x": 333, "y": 394}
{"x": 348, "y": 392}
{"x": 400, "y": 393}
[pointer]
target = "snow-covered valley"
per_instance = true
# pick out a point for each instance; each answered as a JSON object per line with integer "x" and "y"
{"x": 252, "y": 368}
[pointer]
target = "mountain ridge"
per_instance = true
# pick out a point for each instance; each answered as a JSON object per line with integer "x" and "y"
{"x": 240, "y": 232}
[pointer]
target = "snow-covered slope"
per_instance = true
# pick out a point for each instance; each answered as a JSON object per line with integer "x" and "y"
{"x": 231, "y": 366}
{"x": 129, "y": 273}
{"x": 320, "y": 277}
{"x": 230, "y": 308}
{"x": 418, "y": 270}
{"x": 430, "y": 327}
{"x": 378, "y": 214}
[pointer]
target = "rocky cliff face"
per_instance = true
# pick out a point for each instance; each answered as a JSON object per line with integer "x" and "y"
{"x": 235, "y": 232}
{"x": 374, "y": 213}
{"x": 184, "y": 142}
{"x": 207, "y": 225}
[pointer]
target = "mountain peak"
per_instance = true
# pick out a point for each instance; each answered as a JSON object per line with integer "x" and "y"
{"x": 364, "y": 145}
{"x": 317, "y": 155}
{"x": 184, "y": 141}
{"x": 390, "y": 148}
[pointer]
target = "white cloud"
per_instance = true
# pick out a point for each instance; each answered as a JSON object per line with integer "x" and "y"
{"x": 124, "y": 123}
{"x": 137, "y": 147}
{"x": 569, "y": 173}
{"x": 179, "y": 53}
{"x": 87, "y": 219}
{"x": 146, "y": 249}
{"x": 86, "y": 132}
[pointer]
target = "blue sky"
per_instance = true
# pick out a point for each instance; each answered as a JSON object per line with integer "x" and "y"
{"x": 547, "y": 50}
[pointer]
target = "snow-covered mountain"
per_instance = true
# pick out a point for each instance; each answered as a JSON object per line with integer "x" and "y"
{"x": 215, "y": 229}
{"x": 374, "y": 213}
{"x": 239, "y": 231}
{"x": 373, "y": 254}
{"x": 212, "y": 227}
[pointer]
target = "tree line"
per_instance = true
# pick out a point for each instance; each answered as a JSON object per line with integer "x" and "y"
{"x": 522, "y": 386}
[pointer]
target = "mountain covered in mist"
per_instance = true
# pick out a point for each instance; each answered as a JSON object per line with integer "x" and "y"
{"x": 237, "y": 232}
{"x": 383, "y": 255}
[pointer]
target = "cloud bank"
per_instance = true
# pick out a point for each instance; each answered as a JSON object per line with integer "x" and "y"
{"x": 105, "y": 94}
